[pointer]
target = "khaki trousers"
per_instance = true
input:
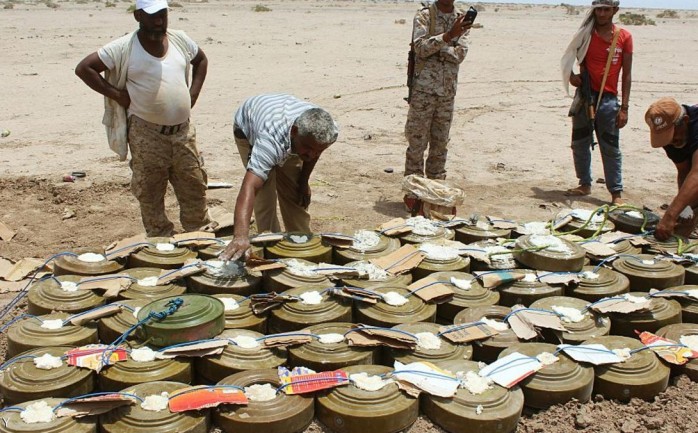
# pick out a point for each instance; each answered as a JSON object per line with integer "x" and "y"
{"x": 156, "y": 159}
{"x": 281, "y": 186}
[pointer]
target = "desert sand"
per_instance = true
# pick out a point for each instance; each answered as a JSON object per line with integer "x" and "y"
{"x": 509, "y": 149}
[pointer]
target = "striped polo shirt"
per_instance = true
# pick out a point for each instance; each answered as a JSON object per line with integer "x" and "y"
{"x": 266, "y": 120}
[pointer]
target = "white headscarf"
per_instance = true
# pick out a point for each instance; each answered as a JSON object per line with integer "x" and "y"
{"x": 577, "y": 49}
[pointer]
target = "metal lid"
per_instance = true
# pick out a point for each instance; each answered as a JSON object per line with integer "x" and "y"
{"x": 47, "y": 295}
{"x": 292, "y": 316}
{"x": 279, "y": 280}
{"x": 351, "y": 409}
{"x": 235, "y": 358}
{"x": 135, "y": 419}
{"x": 331, "y": 356}
{"x": 138, "y": 291}
{"x": 383, "y": 314}
{"x": 23, "y": 381}
{"x": 556, "y": 383}
{"x": 199, "y": 317}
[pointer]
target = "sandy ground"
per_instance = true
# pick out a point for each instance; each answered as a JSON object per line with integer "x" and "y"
{"x": 510, "y": 137}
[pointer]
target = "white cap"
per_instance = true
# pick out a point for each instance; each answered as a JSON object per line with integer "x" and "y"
{"x": 151, "y": 6}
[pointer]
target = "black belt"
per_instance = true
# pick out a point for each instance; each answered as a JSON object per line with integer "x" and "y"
{"x": 237, "y": 132}
{"x": 162, "y": 129}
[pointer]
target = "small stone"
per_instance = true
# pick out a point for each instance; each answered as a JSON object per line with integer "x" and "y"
{"x": 388, "y": 169}
{"x": 654, "y": 423}
{"x": 67, "y": 214}
{"x": 337, "y": 96}
{"x": 582, "y": 421}
{"x": 629, "y": 426}
{"x": 598, "y": 398}
{"x": 601, "y": 180}
{"x": 367, "y": 137}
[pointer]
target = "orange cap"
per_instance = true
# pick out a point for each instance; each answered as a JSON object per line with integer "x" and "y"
{"x": 661, "y": 118}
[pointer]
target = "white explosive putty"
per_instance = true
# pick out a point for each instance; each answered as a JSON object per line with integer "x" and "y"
{"x": 438, "y": 252}
{"x": 155, "y": 402}
{"x": 143, "y": 354}
{"x": 312, "y": 297}
{"x": 373, "y": 272}
{"x": 474, "y": 383}
{"x": 69, "y": 286}
{"x": 428, "y": 341}
{"x": 330, "y": 338}
{"x": 422, "y": 226}
{"x": 148, "y": 281}
{"x": 365, "y": 240}
{"x": 52, "y": 324}
{"x": 38, "y": 412}
{"x": 569, "y": 315}
{"x": 47, "y": 362}
{"x": 91, "y": 258}
{"x": 229, "y": 304}
{"x": 551, "y": 243}
{"x": 164, "y": 247}
{"x": 301, "y": 269}
{"x": 495, "y": 324}
{"x": 257, "y": 392}
{"x": 245, "y": 342}
{"x": 461, "y": 283}
{"x": 395, "y": 299}
{"x": 368, "y": 382}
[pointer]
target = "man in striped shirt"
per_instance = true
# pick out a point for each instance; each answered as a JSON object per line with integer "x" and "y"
{"x": 280, "y": 139}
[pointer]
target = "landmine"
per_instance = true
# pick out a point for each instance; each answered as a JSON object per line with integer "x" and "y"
{"x": 556, "y": 383}
{"x": 247, "y": 354}
{"x": 145, "y": 285}
{"x": 677, "y": 332}
{"x": 282, "y": 414}
{"x": 549, "y": 253}
{"x": 484, "y": 342}
{"x": 45, "y": 331}
{"x": 645, "y": 272}
{"x": 23, "y": 381}
{"x": 488, "y": 350}
{"x": 598, "y": 283}
{"x": 365, "y": 247}
{"x": 526, "y": 290}
{"x": 61, "y": 294}
{"x": 218, "y": 279}
{"x": 350, "y": 409}
{"x": 480, "y": 230}
{"x": 641, "y": 376}
{"x": 439, "y": 258}
{"x": 581, "y": 324}
{"x": 160, "y": 253}
{"x": 136, "y": 419}
{"x": 112, "y": 327}
{"x": 386, "y": 315}
{"x": 239, "y": 315}
{"x": 468, "y": 293}
{"x": 584, "y": 223}
{"x": 385, "y": 279}
{"x": 497, "y": 409}
{"x": 130, "y": 372}
{"x": 319, "y": 355}
{"x": 296, "y": 273}
{"x": 689, "y": 304}
{"x": 292, "y": 316}
{"x": 442, "y": 351}
{"x": 633, "y": 221}
{"x": 14, "y": 423}
{"x": 88, "y": 263}
{"x": 662, "y": 312}
{"x": 306, "y": 246}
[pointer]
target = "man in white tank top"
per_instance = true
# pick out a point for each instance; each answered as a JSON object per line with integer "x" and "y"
{"x": 147, "y": 82}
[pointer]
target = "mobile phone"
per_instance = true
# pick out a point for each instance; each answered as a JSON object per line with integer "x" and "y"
{"x": 470, "y": 15}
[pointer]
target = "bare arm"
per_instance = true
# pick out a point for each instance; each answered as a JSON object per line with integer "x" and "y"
{"x": 90, "y": 71}
{"x": 198, "y": 75}
{"x": 687, "y": 196}
{"x": 682, "y": 170}
{"x": 244, "y": 205}
{"x": 622, "y": 118}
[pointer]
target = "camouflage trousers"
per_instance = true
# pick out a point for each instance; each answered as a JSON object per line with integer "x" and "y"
{"x": 428, "y": 125}
{"x": 157, "y": 159}
{"x": 281, "y": 186}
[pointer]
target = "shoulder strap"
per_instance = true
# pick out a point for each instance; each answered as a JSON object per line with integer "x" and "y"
{"x": 432, "y": 18}
{"x": 611, "y": 53}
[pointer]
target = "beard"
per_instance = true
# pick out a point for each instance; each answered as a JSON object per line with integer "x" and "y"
{"x": 154, "y": 34}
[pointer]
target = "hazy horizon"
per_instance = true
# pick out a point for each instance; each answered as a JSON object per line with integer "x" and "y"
{"x": 654, "y": 4}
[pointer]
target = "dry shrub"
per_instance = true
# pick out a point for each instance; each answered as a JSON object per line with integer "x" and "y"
{"x": 261, "y": 8}
{"x": 631, "y": 19}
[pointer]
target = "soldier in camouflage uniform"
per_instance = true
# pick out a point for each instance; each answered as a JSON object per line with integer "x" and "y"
{"x": 439, "y": 54}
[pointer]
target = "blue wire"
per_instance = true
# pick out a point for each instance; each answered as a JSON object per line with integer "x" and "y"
{"x": 9, "y": 408}
{"x": 22, "y": 293}
{"x": 650, "y": 347}
{"x": 514, "y": 361}
{"x": 284, "y": 334}
{"x": 613, "y": 257}
{"x": 188, "y": 343}
{"x": 16, "y": 319}
{"x": 207, "y": 387}
{"x": 539, "y": 310}
{"x": 380, "y": 329}
{"x": 15, "y": 359}
{"x": 455, "y": 328}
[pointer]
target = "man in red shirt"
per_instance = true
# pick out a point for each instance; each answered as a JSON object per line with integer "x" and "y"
{"x": 592, "y": 45}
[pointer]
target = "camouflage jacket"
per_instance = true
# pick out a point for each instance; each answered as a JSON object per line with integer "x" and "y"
{"x": 438, "y": 72}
